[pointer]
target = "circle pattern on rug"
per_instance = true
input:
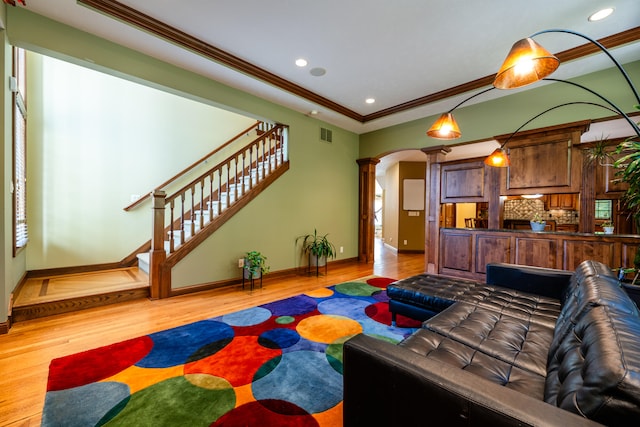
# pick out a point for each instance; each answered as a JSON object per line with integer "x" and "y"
{"x": 267, "y": 413}
{"x": 302, "y": 371}
{"x": 320, "y": 293}
{"x": 285, "y": 320}
{"x": 249, "y": 317}
{"x": 380, "y": 282}
{"x": 357, "y": 289}
{"x": 327, "y": 328}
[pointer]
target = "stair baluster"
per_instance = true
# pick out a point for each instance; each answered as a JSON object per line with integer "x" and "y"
{"x": 234, "y": 181}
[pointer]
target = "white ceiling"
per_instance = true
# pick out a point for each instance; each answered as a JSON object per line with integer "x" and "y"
{"x": 393, "y": 51}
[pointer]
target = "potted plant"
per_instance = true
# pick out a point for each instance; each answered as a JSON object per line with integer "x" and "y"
{"x": 537, "y": 223}
{"x": 608, "y": 227}
{"x": 318, "y": 247}
{"x": 255, "y": 265}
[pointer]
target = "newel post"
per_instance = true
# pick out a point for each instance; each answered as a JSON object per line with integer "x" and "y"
{"x": 157, "y": 255}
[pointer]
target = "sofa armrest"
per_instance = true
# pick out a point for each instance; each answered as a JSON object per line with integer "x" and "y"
{"x": 387, "y": 385}
{"x": 547, "y": 282}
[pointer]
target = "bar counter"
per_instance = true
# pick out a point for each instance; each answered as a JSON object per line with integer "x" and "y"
{"x": 465, "y": 252}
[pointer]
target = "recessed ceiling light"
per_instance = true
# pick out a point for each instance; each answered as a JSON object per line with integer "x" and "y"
{"x": 370, "y": 100}
{"x": 601, "y": 14}
{"x": 301, "y": 62}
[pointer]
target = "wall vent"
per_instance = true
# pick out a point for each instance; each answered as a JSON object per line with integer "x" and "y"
{"x": 326, "y": 135}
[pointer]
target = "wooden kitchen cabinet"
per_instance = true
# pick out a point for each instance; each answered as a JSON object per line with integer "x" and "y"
{"x": 463, "y": 182}
{"x": 544, "y": 161}
{"x": 566, "y": 201}
{"x": 466, "y": 252}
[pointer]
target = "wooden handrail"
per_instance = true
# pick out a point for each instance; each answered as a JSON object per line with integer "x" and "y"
{"x": 226, "y": 161}
{"x": 193, "y": 165}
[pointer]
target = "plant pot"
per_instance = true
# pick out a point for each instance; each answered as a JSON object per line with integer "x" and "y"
{"x": 317, "y": 261}
{"x": 537, "y": 226}
{"x": 247, "y": 274}
{"x": 247, "y": 271}
{"x": 608, "y": 230}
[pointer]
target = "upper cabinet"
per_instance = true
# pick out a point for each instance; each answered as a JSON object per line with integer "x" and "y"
{"x": 566, "y": 201}
{"x": 544, "y": 162}
{"x": 463, "y": 182}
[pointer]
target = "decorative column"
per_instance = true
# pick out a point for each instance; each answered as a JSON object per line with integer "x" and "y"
{"x": 587, "y": 213}
{"x": 435, "y": 155}
{"x": 157, "y": 255}
{"x": 366, "y": 225}
{"x": 495, "y": 203}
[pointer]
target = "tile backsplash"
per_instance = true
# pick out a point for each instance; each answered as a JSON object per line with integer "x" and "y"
{"x": 527, "y": 208}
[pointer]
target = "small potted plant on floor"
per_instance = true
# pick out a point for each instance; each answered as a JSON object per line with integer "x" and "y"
{"x": 608, "y": 227}
{"x": 255, "y": 265}
{"x": 537, "y": 223}
{"x": 318, "y": 247}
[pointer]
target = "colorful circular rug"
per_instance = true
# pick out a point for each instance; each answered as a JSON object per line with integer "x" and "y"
{"x": 278, "y": 364}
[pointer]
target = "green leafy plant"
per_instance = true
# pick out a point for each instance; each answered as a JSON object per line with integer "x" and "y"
{"x": 255, "y": 263}
{"x": 318, "y": 246}
{"x": 607, "y": 223}
{"x": 600, "y": 153}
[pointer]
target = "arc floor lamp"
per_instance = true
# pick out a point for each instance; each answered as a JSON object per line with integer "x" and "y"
{"x": 527, "y": 63}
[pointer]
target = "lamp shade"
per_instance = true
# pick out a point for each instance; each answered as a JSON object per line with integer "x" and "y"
{"x": 445, "y": 128}
{"x": 526, "y": 63}
{"x": 498, "y": 159}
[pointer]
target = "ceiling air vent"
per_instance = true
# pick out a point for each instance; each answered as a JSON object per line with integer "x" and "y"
{"x": 326, "y": 135}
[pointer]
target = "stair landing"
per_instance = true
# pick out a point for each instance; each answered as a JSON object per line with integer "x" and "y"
{"x": 46, "y": 296}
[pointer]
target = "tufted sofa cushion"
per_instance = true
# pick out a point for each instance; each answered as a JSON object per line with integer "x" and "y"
{"x": 446, "y": 350}
{"x": 516, "y": 341}
{"x": 595, "y": 370}
{"x": 530, "y": 307}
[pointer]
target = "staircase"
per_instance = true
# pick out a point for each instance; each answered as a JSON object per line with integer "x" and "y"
{"x": 181, "y": 221}
{"x": 185, "y": 218}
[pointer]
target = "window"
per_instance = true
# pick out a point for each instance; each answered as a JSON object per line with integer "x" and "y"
{"x": 18, "y": 86}
{"x": 603, "y": 209}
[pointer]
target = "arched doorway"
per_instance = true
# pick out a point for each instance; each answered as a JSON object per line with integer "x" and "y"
{"x": 385, "y": 174}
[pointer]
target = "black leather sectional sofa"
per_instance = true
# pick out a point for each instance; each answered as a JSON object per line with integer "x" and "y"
{"x": 532, "y": 346}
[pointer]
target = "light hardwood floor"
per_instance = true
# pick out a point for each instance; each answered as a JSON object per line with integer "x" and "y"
{"x": 55, "y": 288}
{"x": 29, "y": 347}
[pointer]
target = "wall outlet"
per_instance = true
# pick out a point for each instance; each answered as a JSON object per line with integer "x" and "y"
{"x": 341, "y": 249}
{"x": 240, "y": 262}
{"x": 405, "y": 242}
